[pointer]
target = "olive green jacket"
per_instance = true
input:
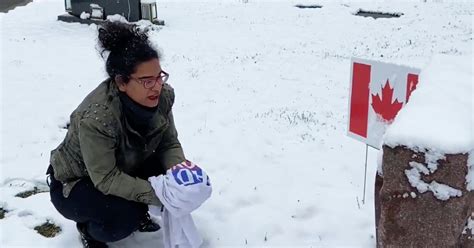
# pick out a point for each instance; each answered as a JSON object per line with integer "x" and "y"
{"x": 101, "y": 144}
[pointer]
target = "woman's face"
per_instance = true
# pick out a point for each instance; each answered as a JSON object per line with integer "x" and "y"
{"x": 146, "y": 73}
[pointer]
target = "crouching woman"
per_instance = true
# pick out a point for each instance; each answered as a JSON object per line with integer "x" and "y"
{"x": 122, "y": 133}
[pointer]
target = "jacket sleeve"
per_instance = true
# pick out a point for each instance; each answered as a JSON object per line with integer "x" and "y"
{"x": 98, "y": 145}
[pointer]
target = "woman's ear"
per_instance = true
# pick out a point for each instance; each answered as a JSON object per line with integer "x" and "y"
{"x": 119, "y": 80}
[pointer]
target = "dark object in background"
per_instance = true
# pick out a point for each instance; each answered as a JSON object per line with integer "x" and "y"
{"x": 311, "y": 6}
{"x": 377, "y": 14}
{"x": 7, "y": 5}
{"x": 96, "y": 11}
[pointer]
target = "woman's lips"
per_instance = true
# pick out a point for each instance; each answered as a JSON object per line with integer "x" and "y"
{"x": 153, "y": 97}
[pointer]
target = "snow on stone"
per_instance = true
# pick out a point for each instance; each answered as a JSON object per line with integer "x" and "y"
{"x": 85, "y": 15}
{"x": 97, "y": 11}
{"x": 469, "y": 225}
{"x": 414, "y": 177}
{"x": 440, "y": 191}
{"x": 431, "y": 159}
{"x": 440, "y": 111}
{"x": 94, "y": 5}
{"x": 380, "y": 162}
{"x": 420, "y": 167}
{"x": 443, "y": 191}
{"x": 117, "y": 18}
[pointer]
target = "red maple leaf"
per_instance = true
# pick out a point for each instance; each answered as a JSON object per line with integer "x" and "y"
{"x": 383, "y": 106}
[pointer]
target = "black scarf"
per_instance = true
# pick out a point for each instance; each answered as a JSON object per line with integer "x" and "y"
{"x": 139, "y": 117}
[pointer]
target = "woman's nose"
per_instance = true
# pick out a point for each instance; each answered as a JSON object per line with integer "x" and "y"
{"x": 157, "y": 87}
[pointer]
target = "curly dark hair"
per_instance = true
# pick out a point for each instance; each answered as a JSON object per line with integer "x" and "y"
{"x": 128, "y": 46}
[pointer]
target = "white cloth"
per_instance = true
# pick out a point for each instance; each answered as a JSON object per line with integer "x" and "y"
{"x": 181, "y": 190}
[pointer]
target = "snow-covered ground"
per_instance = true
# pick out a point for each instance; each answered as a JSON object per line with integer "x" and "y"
{"x": 261, "y": 104}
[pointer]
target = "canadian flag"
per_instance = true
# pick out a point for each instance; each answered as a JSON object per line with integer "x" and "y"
{"x": 378, "y": 91}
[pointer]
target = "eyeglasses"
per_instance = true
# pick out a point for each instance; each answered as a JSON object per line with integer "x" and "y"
{"x": 150, "y": 82}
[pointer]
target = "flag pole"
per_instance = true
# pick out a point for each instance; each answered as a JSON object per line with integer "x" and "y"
{"x": 365, "y": 173}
